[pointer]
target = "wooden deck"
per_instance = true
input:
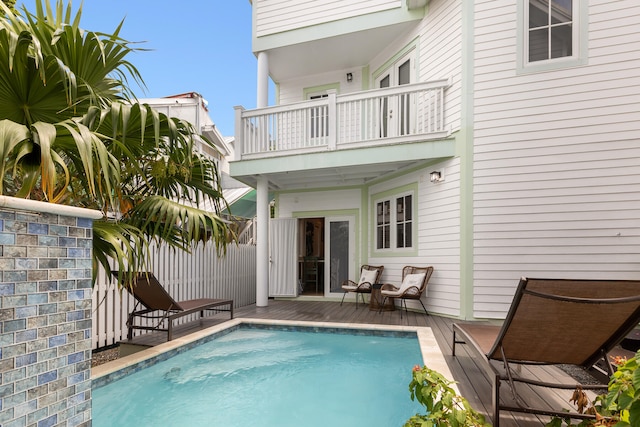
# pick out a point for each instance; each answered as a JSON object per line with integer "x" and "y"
{"x": 472, "y": 383}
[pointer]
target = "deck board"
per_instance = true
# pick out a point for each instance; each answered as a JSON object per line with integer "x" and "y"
{"x": 471, "y": 380}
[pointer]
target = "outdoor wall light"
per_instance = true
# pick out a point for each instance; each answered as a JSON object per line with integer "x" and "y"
{"x": 349, "y": 77}
{"x": 436, "y": 176}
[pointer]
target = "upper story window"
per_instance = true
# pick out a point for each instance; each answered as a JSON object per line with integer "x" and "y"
{"x": 555, "y": 34}
{"x": 551, "y": 29}
{"x": 394, "y": 222}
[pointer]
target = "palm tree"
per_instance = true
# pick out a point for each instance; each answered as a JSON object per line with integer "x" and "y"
{"x": 71, "y": 132}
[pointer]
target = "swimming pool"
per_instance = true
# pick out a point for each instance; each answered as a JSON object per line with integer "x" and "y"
{"x": 230, "y": 381}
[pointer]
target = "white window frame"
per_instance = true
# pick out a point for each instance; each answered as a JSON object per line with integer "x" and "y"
{"x": 579, "y": 41}
{"x": 393, "y": 222}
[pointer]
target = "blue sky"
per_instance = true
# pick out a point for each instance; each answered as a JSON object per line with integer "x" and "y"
{"x": 199, "y": 46}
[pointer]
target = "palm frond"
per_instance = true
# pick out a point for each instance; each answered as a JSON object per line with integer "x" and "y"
{"x": 124, "y": 244}
{"x": 178, "y": 224}
{"x": 11, "y": 134}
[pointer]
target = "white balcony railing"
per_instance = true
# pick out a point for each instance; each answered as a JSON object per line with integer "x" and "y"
{"x": 382, "y": 116}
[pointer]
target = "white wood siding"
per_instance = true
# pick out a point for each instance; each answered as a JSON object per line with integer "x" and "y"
{"x": 556, "y": 175}
{"x": 438, "y": 225}
{"x": 275, "y": 16}
{"x": 317, "y": 201}
{"x": 439, "y": 53}
{"x": 440, "y": 50}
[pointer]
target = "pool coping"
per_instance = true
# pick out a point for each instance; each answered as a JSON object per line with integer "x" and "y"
{"x": 431, "y": 354}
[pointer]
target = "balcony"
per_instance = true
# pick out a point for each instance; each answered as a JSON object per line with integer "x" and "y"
{"x": 403, "y": 114}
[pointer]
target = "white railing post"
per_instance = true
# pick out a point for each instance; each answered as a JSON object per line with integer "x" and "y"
{"x": 239, "y": 133}
{"x": 332, "y": 141}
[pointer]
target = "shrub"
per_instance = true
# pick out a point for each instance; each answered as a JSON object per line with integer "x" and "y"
{"x": 444, "y": 407}
{"x": 619, "y": 407}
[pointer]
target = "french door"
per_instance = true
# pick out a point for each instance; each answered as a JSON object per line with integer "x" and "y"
{"x": 340, "y": 247}
{"x": 395, "y": 111}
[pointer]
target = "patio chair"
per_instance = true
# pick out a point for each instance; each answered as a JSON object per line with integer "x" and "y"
{"x": 161, "y": 308}
{"x": 369, "y": 275}
{"x": 414, "y": 282}
{"x": 552, "y": 321}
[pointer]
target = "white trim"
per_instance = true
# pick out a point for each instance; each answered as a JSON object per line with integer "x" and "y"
{"x": 393, "y": 223}
{"x": 51, "y": 208}
{"x": 579, "y": 41}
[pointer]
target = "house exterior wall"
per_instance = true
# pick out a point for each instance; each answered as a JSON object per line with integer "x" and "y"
{"x": 438, "y": 233}
{"x": 556, "y": 154}
{"x": 436, "y": 41}
{"x": 544, "y": 181}
{"x": 438, "y": 228}
{"x": 45, "y": 319}
{"x": 276, "y": 16}
{"x": 291, "y": 204}
{"x": 440, "y": 56}
{"x": 436, "y": 45}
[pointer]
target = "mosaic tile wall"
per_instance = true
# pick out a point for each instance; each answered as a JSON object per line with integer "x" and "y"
{"x": 45, "y": 319}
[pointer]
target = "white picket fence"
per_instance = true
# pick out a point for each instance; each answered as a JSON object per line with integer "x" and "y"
{"x": 200, "y": 274}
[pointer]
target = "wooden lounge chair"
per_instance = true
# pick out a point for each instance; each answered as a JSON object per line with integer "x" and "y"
{"x": 369, "y": 275}
{"x": 414, "y": 282}
{"x": 161, "y": 308}
{"x": 552, "y": 321}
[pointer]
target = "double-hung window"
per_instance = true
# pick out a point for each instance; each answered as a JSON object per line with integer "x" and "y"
{"x": 394, "y": 222}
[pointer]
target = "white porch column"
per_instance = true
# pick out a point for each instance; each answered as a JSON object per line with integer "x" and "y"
{"x": 263, "y": 80}
{"x": 262, "y": 247}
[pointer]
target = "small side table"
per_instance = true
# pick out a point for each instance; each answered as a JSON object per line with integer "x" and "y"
{"x": 375, "y": 302}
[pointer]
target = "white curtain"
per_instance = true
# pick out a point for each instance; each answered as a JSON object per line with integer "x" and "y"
{"x": 283, "y": 272}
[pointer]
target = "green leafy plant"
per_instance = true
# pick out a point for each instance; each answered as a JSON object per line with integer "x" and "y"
{"x": 619, "y": 407}
{"x": 71, "y": 132}
{"x": 444, "y": 407}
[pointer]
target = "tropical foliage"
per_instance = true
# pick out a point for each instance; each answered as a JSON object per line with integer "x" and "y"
{"x": 11, "y": 4}
{"x": 443, "y": 406}
{"x": 71, "y": 132}
{"x": 619, "y": 406}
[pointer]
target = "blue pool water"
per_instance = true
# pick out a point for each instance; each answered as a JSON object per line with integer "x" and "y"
{"x": 264, "y": 377}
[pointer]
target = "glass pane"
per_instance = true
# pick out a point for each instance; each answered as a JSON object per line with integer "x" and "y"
{"x": 561, "y": 11}
{"x": 561, "y": 37}
{"x": 408, "y": 241}
{"x": 387, "y": 236}
{"x": 400, "y": 236}
{"x": 339, "y": 254}
{"x": 538, "y": 13}
{"x": 408, "y": 208}
{"x": 400, "y": 208}
{"x": 379, "y": 238}
{"x": 538, "y": 45}
{"x": 404, "y": 73}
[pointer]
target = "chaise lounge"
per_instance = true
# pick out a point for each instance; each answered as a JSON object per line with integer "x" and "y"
{"x": 160, "y": 307}
{"x": 552, "y": 321}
